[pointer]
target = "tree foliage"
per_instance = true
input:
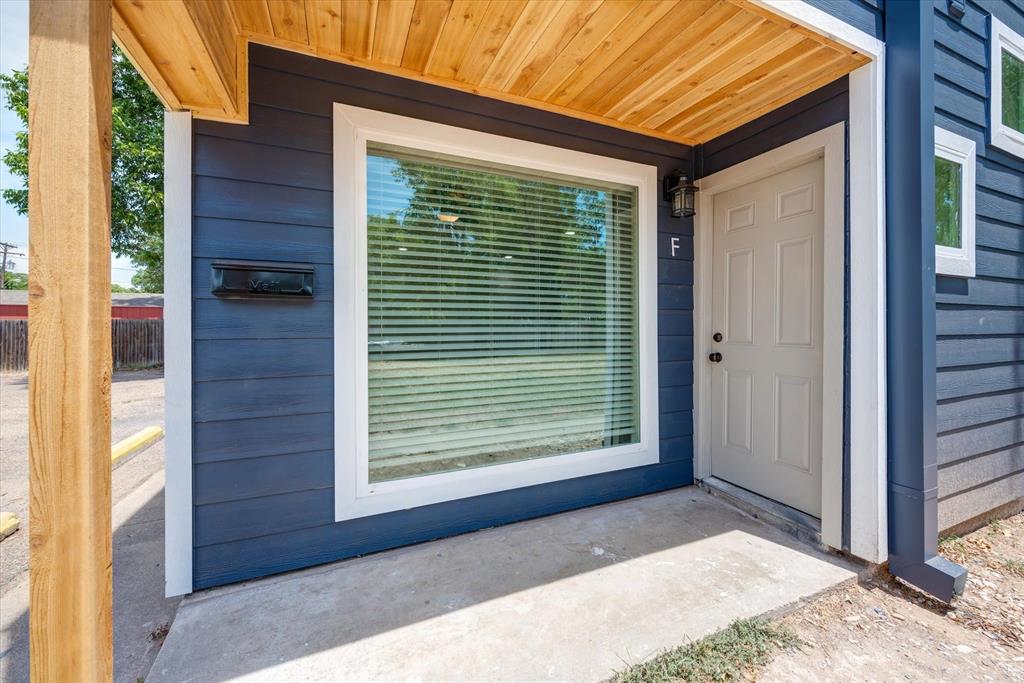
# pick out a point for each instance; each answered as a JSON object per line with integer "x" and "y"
{"x": 15, "y": 280}
{"x": 137, "y": 175}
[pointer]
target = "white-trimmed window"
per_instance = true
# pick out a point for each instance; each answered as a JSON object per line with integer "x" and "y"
{"x": 955, "y": 160}
{"x": 495, "y": 313}
{"x": 1006, "y": 85}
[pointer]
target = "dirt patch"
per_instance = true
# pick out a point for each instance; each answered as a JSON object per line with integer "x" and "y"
{"x": 883, "y": 630}
{"x": 993, "y": 602}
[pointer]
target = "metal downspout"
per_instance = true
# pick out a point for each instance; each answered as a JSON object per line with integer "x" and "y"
{"x": 910, "y": 313}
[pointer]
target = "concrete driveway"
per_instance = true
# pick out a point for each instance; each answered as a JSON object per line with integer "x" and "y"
{"x": 140, "y": 610}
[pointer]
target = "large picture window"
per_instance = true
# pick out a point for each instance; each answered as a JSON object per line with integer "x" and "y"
{"x": 499, "y": 331}
{"x": 1006, "y": 84}
{"x": 502, "y": 314}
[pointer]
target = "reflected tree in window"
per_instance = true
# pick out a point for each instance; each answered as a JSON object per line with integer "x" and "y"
{"x": 502, "y": 314}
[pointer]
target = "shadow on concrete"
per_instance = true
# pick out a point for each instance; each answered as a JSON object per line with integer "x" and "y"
{"x": 570, "y": 596}
{"x": 141, "y": 613}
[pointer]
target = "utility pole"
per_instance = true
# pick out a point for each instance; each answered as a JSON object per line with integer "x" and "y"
{"x": 5, "y": 248}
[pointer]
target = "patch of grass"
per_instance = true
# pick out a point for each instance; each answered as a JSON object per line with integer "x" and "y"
{"x": 726, "y": 655}
{"x": 1014, "y": 567}
{"x": 953, "y": 548}
{"x": 995, "y": 527}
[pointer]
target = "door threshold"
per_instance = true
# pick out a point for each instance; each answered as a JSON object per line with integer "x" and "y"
{"x": 790, "y": 520}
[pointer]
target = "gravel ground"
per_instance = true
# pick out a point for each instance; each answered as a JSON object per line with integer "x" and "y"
{"x": 883, "y": 631}
{"x": 137, "y": 401}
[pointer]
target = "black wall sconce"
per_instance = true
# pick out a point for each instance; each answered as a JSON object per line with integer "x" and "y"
{"x": 681, "y": 193}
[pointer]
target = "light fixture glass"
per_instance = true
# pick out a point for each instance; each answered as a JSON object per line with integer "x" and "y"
{"x": 681, "y": 193}
{"x": 447, "y": 217}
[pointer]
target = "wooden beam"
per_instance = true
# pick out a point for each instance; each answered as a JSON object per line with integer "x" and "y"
{"x": 71, "y": 636}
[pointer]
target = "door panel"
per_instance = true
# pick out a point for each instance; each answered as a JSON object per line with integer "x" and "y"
{"x": 794, "y": 304}
{"x": 739, "y": 296}
{"x": 767, "y": 299}
{"x": 793, "y": 421}
{"x": 737, "y": 409}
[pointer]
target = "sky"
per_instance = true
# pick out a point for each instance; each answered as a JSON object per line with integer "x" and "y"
{"x": 14, "y": 55}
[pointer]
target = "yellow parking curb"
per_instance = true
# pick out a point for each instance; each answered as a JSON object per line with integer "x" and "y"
{"x": 135, "y": 442}
{"x": 8, "y": 524}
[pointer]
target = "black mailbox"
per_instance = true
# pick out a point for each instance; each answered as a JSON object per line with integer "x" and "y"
{"x": 262, "y": 280}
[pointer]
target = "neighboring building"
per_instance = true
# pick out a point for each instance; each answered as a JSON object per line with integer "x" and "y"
{"x": 14, "y": 305}
{"x": 430, "y": 273}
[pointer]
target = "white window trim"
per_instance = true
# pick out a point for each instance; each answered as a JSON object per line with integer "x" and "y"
{"x": 354, "y": 495}
{"x": 1002, "y": 136}
{"x": 958, "y": 262}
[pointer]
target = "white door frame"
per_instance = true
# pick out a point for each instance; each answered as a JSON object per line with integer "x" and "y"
{"x": 867, "y": 408}
{"x": 830, "y": 144}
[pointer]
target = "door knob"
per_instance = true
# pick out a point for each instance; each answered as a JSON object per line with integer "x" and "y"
{"x": 717, "y": 336}
{"x": 715, "y": 357}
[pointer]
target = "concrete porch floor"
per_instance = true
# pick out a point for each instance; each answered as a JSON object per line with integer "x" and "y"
{"x": 571, "y": 597}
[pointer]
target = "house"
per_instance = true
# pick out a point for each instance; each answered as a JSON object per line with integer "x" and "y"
{"x": 128, "y": 306}
{"x": 437, "y": 266}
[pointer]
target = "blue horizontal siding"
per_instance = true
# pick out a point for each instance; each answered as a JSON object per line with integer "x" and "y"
{"x": 812, "y": 112}
{"x": 239, "y": 440}
{"x": 249, "y": 557}
{"x": 214, "y": 197}
{"x": 222, "y": 482}
{"x": 866, "y": 15}
{"x": 263, "y": 370}
{"x": 216, "y": 359}
{"x": 255, "y": 240}
{"x": 980, "y": 320}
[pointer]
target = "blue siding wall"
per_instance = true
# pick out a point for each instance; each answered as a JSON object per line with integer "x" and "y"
{"x": 980, "y": 321}
{"x": 863, "y": 14}
{"x": 813, "y": 112}
{"x": 263, "y": 375}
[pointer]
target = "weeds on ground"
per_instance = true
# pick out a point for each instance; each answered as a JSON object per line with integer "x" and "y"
{"x": 726, "y": 655}
{"x": 1014, "y": 567}
{"x": 953, "y": 548}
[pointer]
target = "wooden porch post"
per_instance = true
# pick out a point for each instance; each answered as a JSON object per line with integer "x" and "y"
{"x": 69, "y": 341}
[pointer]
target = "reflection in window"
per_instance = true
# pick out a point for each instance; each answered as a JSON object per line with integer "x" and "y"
{"x": 1013, "y": 91}
{"x": 948, "y": 202}
{"x": 502, "y": 307}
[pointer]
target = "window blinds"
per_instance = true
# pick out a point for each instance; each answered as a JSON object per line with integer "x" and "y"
{"x": 502, "y": 312}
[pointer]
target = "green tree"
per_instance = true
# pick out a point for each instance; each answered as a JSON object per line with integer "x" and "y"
{"x": 15, "y": 280}
{"x": 137, "y": 167}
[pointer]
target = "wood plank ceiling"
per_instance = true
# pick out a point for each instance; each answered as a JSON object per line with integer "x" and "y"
{"x": 682, "y": 70}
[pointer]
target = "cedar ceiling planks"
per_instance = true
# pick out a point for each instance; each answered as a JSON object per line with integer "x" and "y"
{"x": 684, "y": 70}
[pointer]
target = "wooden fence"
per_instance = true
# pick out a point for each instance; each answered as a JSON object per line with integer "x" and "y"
{"x": 135, "y": 344}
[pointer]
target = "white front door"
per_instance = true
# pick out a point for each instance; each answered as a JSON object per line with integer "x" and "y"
{"x": 767, "y": 307}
